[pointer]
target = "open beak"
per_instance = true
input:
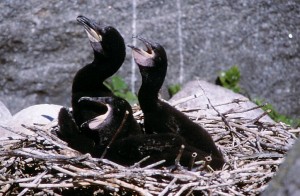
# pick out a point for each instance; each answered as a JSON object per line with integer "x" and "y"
{"x": 143, "y": 57}
{"x": 90, "y": 29}
{"x": 95, "y": 123}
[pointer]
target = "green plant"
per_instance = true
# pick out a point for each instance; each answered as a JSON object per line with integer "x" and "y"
{"x": 119, "y": 87}
{"x": 276, "y": 116}
{"x": 173, "y": 89}
{"x": 230, "y": 78}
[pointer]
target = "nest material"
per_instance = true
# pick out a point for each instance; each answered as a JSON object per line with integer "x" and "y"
{"x": 43, "y": 164}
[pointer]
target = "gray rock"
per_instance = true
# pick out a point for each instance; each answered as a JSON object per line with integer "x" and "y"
{"x": 286, "y": 180}
{"x": 42, "y": 46}
{"x": 217, "y": 96}
{"x": 41, "y": 114}
{"x": 7, "y": 134}
{"x": 5, "y": 114}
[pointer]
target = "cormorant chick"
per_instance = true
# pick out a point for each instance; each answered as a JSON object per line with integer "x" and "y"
{"x": 160, "y": 117}
{"x": 126, "y": 148}
{"x": 109, "y": 54}
{"x": 102, "y": 128}
{"x": 86, "y": 124}
{"x": 94, "y": 135}
{"x": 70, "y": 133}
{"x": 162, "y": 146}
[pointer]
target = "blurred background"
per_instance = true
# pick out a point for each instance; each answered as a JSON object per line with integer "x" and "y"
{"x": 42, "y": 46}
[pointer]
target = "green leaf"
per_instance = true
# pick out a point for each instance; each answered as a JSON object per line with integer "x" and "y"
{"x": 120, "y": 89}
{"x": 118, "y": 84}
{"x": 230, "y": 79}
{"x": 173, "y": 89}
{"x": 131, "y": 97}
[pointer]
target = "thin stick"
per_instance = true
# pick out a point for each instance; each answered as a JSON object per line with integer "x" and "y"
{"x": 154, "y": 164}
{"x": 222, "y": 116}
{"x": 35, "y": 181}
{"x": 177, "y": 160}
{"x": 245, "y": 110}
{"x": 62, "y": 170}
{"x": 255, "y": 132}
{"x": 89, "y": 181}
{"x": 115, "y": 135}
{"x": 274, "y": 146}
{"x": 50, "y": 192}
{"x": 278, "y": 162}
{"x": 259, "y": 117}
{"x": 5, "y": 188}
{"x": 223, "y": 194}
{"x": 233, "y": 101}
{"x": 192, "y": 161}
{"x": 43, "y": 186}
{"x": 48, "y": 137}
{"x": 167, "y": 188}
{"x": 185, "y": 187}
{"x": 214, "y": 186}
{"x": 130, "y": 186}
{"x": 16, "y": 132}
{"x": 137, "y": 164}
{"x": 185, "y": 99}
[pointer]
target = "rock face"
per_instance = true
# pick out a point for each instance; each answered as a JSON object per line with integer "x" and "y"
{"x": 42, "y": 114}
{"x": 42, "y": 46}
{"x": 286, "y": 181}
{"x": 5, "y": 115}
{"x": 219, "y": 97}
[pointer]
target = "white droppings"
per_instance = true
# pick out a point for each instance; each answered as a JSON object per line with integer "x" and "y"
{"x": 290, "y": 35}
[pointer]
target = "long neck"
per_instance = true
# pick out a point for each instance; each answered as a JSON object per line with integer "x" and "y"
{"x": 148, "y": 97}
{"x": 106, "y": 65}
{"x": 88, "y": 78}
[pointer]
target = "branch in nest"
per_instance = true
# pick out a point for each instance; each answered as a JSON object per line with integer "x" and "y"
{"x": 154, "y": 164}
{"x": 15, "y": 131}
{"x": 185, "y": 99}
{"x": 138, "y": 164}
{"x": 274, "y": 146}
{"x": 192, "y": 161}
{"x": 242, "y": 111}
{"x": 259, "y": 117}
{"x": 256, "y": 133}
{"x": 116, "y": 134}
{"x": 215, "y": 186}
{"x": 177, "y": 160}
{"x": 227, "y": 125}
{"x": 52, "y": 139}
{"x": 130, "y": 186}
{"x": 167, "y": 188}
{"x": 252, "y": 165}
{"x": 110, "y": 186}
{"x": 35, "y": 181}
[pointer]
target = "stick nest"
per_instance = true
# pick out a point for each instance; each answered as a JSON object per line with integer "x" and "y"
{"x": 41, "y": 164}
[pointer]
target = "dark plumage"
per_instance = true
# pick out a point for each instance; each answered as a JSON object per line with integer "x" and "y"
{"x": 130, "y": 145}
{"x": 103, "y": 127}
{"x": 109, "y": 54}
{"x": 160, "y": 117}
{"x": 163, "y": 146}
{"x": 83, "y": 123}
{"x": 69, "y": 132}
{"x": 94, "y": 135}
